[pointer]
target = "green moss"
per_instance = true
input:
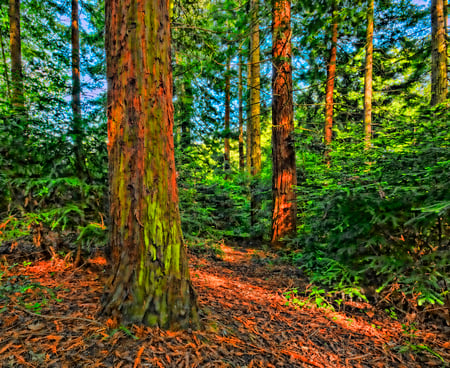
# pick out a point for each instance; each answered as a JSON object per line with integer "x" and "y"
{"x": 146, "y": 240}
{"x": 152, "y": 320}
{"x": 142, "y": 270}
{"x": 163, "y": 315}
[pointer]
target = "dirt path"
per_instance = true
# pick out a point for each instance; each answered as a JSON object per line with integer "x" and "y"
{"x": 244, "y": 313}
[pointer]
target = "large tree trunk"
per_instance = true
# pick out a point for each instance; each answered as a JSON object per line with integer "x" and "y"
{"x": 150, "y": 284}
{"x": 241, "y": 117}
{"x": 76, "y": 91}
{"x": 438, "y": 52}
{"x": 255, "y": 108}
{"x": 368, "y": 78}
{"x": 226, "y": 154}
{"x": 331, "y": 76}
{"x": 284, "y": 215}
{"x": 17, "y": 97}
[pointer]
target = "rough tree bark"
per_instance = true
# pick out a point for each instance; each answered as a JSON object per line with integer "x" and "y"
{"x": 368, "y": 78}
{"x": 150, "y": 283}
{"x": 284, "y": 214}
{"x": 331, "y": 76}
{"x": 17, "y": 96}
{"x": 439, "y": 83}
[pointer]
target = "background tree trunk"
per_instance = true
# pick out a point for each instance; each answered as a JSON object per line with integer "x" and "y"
{"x": 227, "y": 118}
{"x": 368, "y": 78}
{"x": 17, "y": 98}
{"x": 151, "y": 282}
{"x": 241, "y": 117}
{"x": 249, "y": 122}
{"x": 438, "y": 52}
{"x": 331, "y": 76}
{"x": 77, "y": 132}
{"x": 284, "y": 214}
{"x": 187, "y": 109}
{"x": 5, "y": 67}
{"x": 255, "y": 108}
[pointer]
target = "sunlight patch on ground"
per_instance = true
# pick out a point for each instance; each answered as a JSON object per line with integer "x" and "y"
{"x": 229, "y": 285}
{"x": 362, "y": 327}
{"x": 40, "y": 268}
{"x": 101, "y": 261}
{"x": 239, "y": 256}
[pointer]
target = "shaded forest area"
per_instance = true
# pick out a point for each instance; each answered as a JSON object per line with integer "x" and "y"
{"x": 227, "y": 183}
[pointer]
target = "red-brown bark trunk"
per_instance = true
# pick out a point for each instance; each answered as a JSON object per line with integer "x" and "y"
{"x": 150, "y": 284}
{"x": 227, "y": 117}
{"x": 284, "y": 215}
{"x": 331, "y": 76}
{"x": 368, "y": 78}
{"x": 439, "y": 82}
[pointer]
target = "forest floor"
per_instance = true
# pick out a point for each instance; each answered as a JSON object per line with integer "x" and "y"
{"x": 48, "y": 318}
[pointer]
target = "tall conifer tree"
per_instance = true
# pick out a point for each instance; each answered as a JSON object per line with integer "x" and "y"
{"x": 368, "y": 76}
{"x": 227, "y": 116}
{"x": 255, "y": 107}
{"x": 76, "y": 90}
{"x": 5, "y": 67}
{"x": 331, "y": 76}
{"x": 439, "y": 82}
{"x": 241, "y": 115}
{"x": 17, "y": 97}
{"x": 150, "y": 284}
{"x": 284, "y": 214}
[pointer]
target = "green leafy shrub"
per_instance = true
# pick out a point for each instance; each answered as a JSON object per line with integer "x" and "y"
{"x": 382, "y": 218}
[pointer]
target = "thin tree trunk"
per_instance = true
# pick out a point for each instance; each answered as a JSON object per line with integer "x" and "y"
{"x": 187, "y": 101}
{"x": 368, "y": 78}
{"x": 331, "y": 76}
{"x": 249, "y": 122}
{"x": 227, "y": 118}
{"x": 284, "y": 180}
{"x": 5, "y": 68}
{"x": 17, "y": 98}
{"x": 255, "y": 109}
{"x": 241, "y": 118}
{"x": 76, "y": 92}
{"x": 438, "y": 52}
{"x": 150, "y": 284}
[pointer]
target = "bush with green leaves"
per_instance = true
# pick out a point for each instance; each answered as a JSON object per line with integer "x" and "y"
{"x": 40, "y": 188}
{"x": 381, "y": 217}
{"x": 211, "y": 204}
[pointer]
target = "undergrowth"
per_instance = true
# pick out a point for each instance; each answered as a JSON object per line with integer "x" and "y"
{"x": 380, "y": 219}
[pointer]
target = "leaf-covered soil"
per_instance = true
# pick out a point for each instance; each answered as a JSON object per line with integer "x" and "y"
{"x": 49, "y": 318}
